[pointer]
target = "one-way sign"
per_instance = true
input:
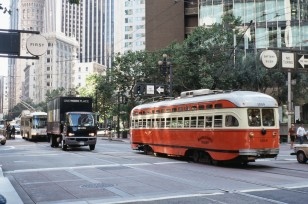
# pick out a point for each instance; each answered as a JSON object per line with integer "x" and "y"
{"x": 303, "y": 61}
{"x": 160, "y": 90}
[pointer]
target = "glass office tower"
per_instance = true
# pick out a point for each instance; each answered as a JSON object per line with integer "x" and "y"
{"x": 275, "y": 23}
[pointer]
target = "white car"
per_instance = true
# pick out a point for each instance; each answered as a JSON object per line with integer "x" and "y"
{"x": 301, "y": 152}
{"x": 2, "y": 140}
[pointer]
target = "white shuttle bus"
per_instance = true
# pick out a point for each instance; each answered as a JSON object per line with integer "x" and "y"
{"x": 33, "y": 125}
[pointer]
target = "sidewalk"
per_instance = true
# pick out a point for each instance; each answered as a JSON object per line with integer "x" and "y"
{"x": 8, "y": 191}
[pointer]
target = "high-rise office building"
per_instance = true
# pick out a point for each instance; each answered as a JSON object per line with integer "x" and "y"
{"x": 272, "y": 23}
{"x": 129, "y": 26}
{"x": 75, "y": 33}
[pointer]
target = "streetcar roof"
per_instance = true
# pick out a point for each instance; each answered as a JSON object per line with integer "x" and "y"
{"x": 239, "y": 98}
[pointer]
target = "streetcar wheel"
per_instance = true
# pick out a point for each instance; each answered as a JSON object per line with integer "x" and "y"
{"x": 147, "y": 150}
{"x": 92, "y": 147}
{"x": 196, "y": 156}
{"x": 64, "y": 146}
{"x": 301, "y": 157}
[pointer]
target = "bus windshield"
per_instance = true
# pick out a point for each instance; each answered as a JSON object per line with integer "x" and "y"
{"x": 84, "y": 119}
{"x": 39, "y": 122}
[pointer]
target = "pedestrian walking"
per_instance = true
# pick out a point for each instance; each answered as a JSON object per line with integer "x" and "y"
{"x": 292, "y": 135}
{"x": 13, "y": 132}
{"x": 301, "y": 133}
{"x": 8, "y": 131}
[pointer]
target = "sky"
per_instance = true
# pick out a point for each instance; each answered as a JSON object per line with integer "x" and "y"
{"x": 4, "y": 24}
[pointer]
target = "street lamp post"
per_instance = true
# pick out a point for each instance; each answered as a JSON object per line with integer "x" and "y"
{"x": 165, "y": 66}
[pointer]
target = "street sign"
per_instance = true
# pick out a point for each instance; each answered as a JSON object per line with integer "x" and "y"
{"x": 287, "y": 60}
{"x": 269, "y": 58}
{"x": 302, "y": 60}
{"x": 160, "y": 89}
{"x": 150, "y": 89}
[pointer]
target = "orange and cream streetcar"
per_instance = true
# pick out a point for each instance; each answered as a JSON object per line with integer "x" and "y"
{"x": 209, "y": 126}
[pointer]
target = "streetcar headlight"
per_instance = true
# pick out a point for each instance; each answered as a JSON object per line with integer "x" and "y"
{"x": 251, "y": 134}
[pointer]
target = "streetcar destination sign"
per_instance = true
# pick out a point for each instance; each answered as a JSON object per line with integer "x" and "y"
{"x": 269, "y": 59}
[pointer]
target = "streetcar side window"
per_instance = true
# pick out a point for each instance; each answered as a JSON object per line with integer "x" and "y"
{"x": 268, "y": 117}
{"x": 140, "y": 123}
{"x": 157, "y": 123}
{"x": 149, "y": 123}
{"x": 186, "y": 122}
{"x": 180, "y": 122}
{"x": 144, "y": 123}
{"x": 231, "y": 121}
{"x": 173, "y": 122}
{"x": 254, "y": 117}
{"x": 168, "y": 122}
{"x": 162, "y": 122}
{"x": 201, "y": 107}
{"x": 200, "y": 121}
{"x": 218, "y": 121}
{"x": 208, "y": 121}
{"x": 193, "y": 122}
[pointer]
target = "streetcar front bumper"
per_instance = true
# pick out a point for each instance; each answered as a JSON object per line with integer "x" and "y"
{"x": 259, "y": 153}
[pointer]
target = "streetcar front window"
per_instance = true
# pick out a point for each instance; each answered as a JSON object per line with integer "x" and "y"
{"x": 254, "y": 118}
{"x": 268, "y": 117}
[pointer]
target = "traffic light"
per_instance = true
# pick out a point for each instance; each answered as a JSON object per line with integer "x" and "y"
{"x": 139, "y": 89}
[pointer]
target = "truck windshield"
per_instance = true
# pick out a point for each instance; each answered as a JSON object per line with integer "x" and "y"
{"x": 78, "y": 119}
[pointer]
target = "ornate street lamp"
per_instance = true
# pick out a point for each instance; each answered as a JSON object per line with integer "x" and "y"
{"x": 165, "y": 67}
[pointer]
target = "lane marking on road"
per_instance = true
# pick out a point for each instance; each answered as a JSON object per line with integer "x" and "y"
{"x": 86, "y": 166}
{"x": 160, "y": 198}
{"x": 7, "y": 148}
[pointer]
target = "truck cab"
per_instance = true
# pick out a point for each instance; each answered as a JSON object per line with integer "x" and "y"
{"x": 78, "y": 129}
{"x": 71, "y": 122}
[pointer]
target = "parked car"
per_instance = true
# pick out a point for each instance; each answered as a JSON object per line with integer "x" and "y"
{"x": 301, "y": 152}
{"x": 2, "y": 139}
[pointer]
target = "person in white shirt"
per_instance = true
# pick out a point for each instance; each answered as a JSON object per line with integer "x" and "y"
{"x": 301, "y": 133}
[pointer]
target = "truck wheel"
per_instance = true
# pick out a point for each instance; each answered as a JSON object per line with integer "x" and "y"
{"x": 92, "y": 147}
{"x": 64, "y": 146}
{"x": 56, "y": 143}
{"x": 53, "y": 141}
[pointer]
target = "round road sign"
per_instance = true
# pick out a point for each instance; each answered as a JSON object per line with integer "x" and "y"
{"x": 268, "y": 58}
{"x": 37, "y": 45}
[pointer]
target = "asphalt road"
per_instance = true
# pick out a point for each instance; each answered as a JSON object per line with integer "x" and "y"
{"x": 113, "y": 173}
